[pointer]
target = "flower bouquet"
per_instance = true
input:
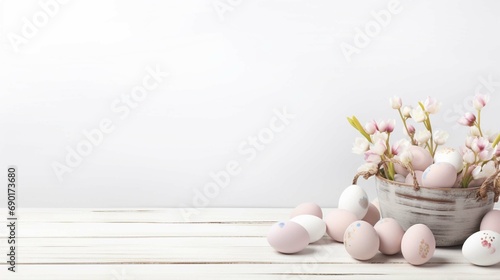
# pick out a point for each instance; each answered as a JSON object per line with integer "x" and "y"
{"x": 420, "y": 180}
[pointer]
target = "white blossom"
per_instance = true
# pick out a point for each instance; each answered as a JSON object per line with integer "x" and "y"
{"x": 360, "y": 146}
{"x": 418, "y": 115}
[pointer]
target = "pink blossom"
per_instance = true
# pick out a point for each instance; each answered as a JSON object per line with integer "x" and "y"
{"x": 482, "y": 147}
{"x": 400, "y": 146}
{"x": 372, "y": 157}
{"x": 411, "y": 129}
{"x": 480, "y": 100}
{"x": 379, "y": 147}
{"x": 468, "y": 119}
{"x": 376, "y": 151}
{"x": 371, "y": 127}
{"x": 468, "y": 141}
{"x": 484, "y": 171}
{"x": 386, "y": 126}
{"x": 469, "y": 156}
{"x": 431, "y": 105}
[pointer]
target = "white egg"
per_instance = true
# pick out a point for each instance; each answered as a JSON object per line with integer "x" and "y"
{"x": 450, "y": 156}
{"x": 314, "y": 226}
{"x": 355, "y": 200}
{"x": 482, "y": 248}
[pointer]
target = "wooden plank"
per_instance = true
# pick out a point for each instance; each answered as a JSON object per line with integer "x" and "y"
{"x": 216, "y": 244}
{"x": 89, "y": 230}
{"x": 190, "y": 250}
{"x": 248, "y": 271}
{"x": 165, "y": 215}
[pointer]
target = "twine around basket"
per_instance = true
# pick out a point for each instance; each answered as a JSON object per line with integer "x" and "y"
{"x": 491, "y": 183}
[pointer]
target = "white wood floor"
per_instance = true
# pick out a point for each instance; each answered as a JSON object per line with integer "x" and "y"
{"x": 133, "y": 244}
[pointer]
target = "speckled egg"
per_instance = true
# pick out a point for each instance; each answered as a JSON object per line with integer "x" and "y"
{"x": 337, "y": 222}
{"x": 418, "y": 244}
{"x": 314, "y": 226}
{"x": 288, "y": 237}
{"x": 390, "y": 233}
{"x": 373, "y": 215}
{"x": 491, "y": 221}
{"x": 307, "y": 208}
{"x": 355, "y": 200}
{"x": 439, "y": 175}
{"x": 361, "y": 240}
{"x": 482, "y": 248}
{"x": 450, "y": 156}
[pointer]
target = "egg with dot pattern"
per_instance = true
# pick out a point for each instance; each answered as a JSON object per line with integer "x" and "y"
{"x": 418, "y": 244}
{"x": 482, "y": 248}
{"x": 288, "y": 237}
{"x": 361, "y": 240}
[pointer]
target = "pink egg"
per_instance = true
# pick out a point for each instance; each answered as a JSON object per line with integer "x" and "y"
{"x": 418, "y": 244}
{"x": 439, "y": 175}
{"x": 361, "y": 240}
{"x": 376, "y": 203}
{"x": 337, "y": 222}
{"x": 390, "y": 233}
{"x": 288, "y": 237}
{"x": 307, "y": 208}
{"x": 422, "y": 158}
{"x": 373, "y": 215}
{"x": 491, "y": 221}
{"x": 399, "y": 178}
{"x": 409, "y": 179}
{"x": 401, "y": 170}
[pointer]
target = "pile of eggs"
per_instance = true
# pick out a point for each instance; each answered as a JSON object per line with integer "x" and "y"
{"x": 438, "y": 172}
{"x": 356, "y": 223}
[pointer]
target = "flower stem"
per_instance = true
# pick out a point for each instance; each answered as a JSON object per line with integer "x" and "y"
{"x": 432, "y": 135}
{"x": 428, "y": 126}
{"x": 497, "y": 140}
{"x": 478, "y": 124}
{"x": 465, "y": 179}
{"x": 413, "y": 142}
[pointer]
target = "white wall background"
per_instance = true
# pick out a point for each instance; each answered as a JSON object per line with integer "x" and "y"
{"x": 227, "y": 75}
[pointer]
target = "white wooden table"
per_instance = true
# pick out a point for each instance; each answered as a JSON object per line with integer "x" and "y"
{"x": 128, "y": 244}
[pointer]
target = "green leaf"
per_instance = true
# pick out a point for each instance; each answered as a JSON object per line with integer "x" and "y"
{"x": 497, "y": 140}
{"x": 357, "y": 125}
{"x": 350, "y": 120}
